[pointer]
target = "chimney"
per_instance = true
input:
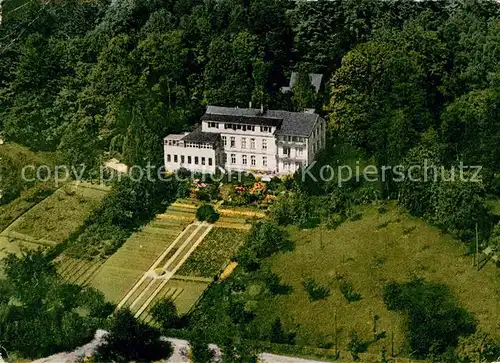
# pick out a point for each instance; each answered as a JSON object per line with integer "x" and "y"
{"x": 250, "y": 104}
{"x": 261, "y": 108}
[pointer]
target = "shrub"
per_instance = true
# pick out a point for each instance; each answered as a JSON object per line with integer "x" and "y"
{"x": 434, "y": 322}
{"x": 296, "y": 209}
{"x": 202, "y": 195}
{"x": 278, "y": 334}
{"x": 207, "y": 213}
{"x": 347, "y": 290}
{"x": 314, "y": 290}
{"x": 238, "y": 314}
{"x": 164, "y": 312}
{"x": 273, "y": 283}
{"x": 356, "y": 345}
{"x": 267, "y": 238}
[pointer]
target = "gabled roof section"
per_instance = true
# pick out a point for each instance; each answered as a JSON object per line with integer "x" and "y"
{"x": 316, "y": 79}
{"x": 199, "y": 136}
{"x": 287, "y": 123}
{"x": 296, "y": 123}
{"x": 248, "y": 116}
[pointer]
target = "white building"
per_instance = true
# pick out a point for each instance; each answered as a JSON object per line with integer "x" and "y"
{"x": 247, "y": 139}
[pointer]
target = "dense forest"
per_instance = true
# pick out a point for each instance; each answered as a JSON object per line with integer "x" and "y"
{"x": 91, "y": 78}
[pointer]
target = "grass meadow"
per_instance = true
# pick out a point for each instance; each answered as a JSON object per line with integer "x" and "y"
{"x": 369, "y": 253}
{"x": 56, "y": 217}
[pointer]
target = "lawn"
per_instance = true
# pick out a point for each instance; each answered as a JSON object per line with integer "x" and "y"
{"x": 34, "y": 192}
{"x": 56, "y": 217}
{"x": 24, "y": 156}
{"x": 214, "y": 253}
{"x": 28, "y": 199}
{"x": 369, "y": 253}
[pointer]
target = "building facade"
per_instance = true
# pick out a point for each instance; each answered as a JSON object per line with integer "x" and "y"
{"x": 259, "y": 141}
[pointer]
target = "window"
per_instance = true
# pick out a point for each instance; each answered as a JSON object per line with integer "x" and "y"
{"x": 286, "y": 151}
{"x": 264, "y": 160}
{"x": 300, "y": 151}
{"x": 213, "y": 125}
{"x": 233, "y": 141}
{"x": 176, "y": 159}
{"x": 210, "y": 161}
{"x": 196, "y": 160}
{"x": 182, "y": 159}
{"x": 233, "y": 158}
{"x": 202, "y": 161}
{"x": 264, "y": 144}
{"x": 224, "y": 158}
{"x": 252, "y": 160}
{"x": 265, "y": 129}
{"x": 224, "y": 140}
{"x": 189, "y": 160}
{"x": 252, "y": 143}
{"x": 244, "y": 159}
{"x": 286, "y": 166}
{"x": 244, "y": 143}
{"x": 169, "y": 158}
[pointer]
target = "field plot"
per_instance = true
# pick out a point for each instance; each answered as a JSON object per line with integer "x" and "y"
{"x": 150, "y": 265}
{"x": 76, "y": 271}
{"x": 11, "y": 245}
{"x": 370, "y": 253}
{"x": 57, "y": 214}
{"x": 238, "y": 219}
{"x": 55, "y": 218}
{"x": 124, "y": 268}
{"x": 214, "y": 253}
{"x": 28, "y": 199}
{"x": 151, "y": 286}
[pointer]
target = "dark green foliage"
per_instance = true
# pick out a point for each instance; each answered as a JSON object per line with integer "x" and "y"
{"x": 434, "y": 321}
{"x": 164, "y": 312}
{"x": 279, "y": 335}
{"x": 356, "y": 345}
{"x": 265, "y": 239}
{"x": 294, "y": 208}
{"x": 314, "y": 290}
{"x": 131, "y": 340}
{"x": 348, "y": 291}
{"x": 207, "y": 213}
{"x": 273, "y": 283}
{"x": 200, "y": 351}
{"x": 40, "y": 314}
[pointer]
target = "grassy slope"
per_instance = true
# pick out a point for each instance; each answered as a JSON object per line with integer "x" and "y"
{"x": 370, "y": 253}
{"x": 28, "y": 199}
{"x": 58, "y": 216}
{"x": 24, "y": 156}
